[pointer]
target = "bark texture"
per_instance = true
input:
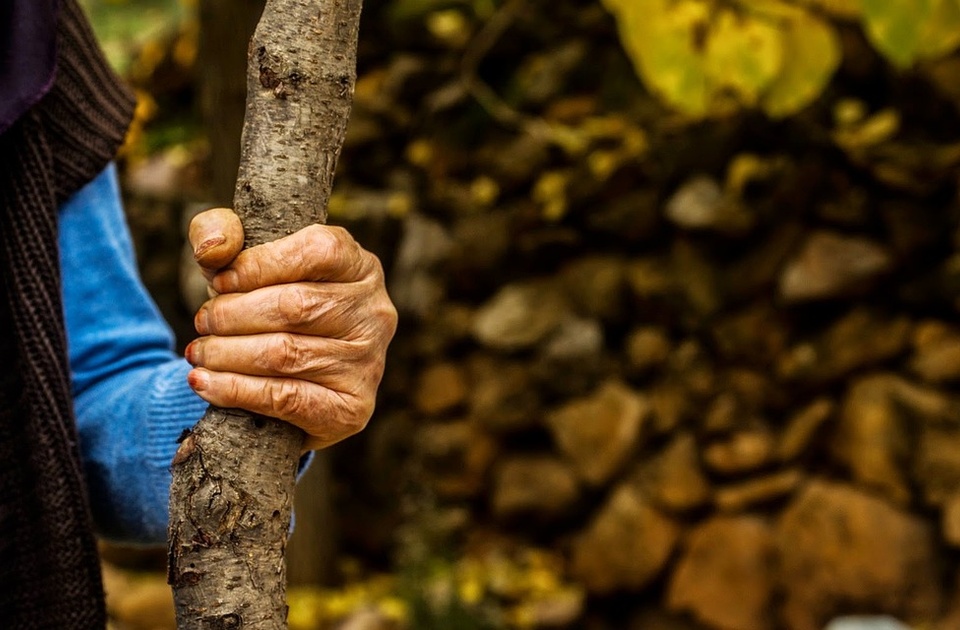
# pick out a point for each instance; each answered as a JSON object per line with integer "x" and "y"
{"x": 233, "y": 475}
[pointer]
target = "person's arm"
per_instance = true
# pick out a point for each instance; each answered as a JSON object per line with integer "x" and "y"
{"x": 130, "y": 390}
{"x": 299, "y": 331}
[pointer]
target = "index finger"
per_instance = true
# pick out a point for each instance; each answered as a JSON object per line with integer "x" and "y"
{"x": 317, "y": 253}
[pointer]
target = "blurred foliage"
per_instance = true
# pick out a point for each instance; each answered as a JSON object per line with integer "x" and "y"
{"x": 475, "y": 592}
{"x": 713, "y": 57}
{"x": 153, "y": 45}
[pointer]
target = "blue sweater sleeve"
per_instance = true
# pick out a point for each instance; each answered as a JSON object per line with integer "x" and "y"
{"x": 130, "y": 391}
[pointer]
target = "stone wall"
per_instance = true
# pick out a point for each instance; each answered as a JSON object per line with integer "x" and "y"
{"x": 713, "y": 368}
{"x": 758, "y": 430}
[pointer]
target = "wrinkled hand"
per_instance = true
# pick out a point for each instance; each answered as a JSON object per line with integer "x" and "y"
{"x": 297, "y": 329}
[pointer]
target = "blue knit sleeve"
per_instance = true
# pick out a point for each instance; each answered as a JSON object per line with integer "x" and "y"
{"x": 130, "y": 391}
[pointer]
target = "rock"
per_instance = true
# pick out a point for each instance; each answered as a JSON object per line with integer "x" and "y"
{"x": 866, "y": 623}
{"x": 755, "y": 389}
{"x": 669, "y": 404}
{"x": 455, "y": 458}
{"x": 693, "y": 366}
{"x": 696, "y": 278}
{"x": 481, "y": 241}
{"x": 440, "y": 388}
{"x": 672, "y": 479}
{"x": 596, "y": 286}
{"x": 757, "y": 271}
{"x": 502, "y": 395}
{"x": 802, "y": 427}
{"x": 647, "y": 347}
{"x": 830, "y": 265}
{"x": 742, "y": 452}
{"x": 747, "y": 494}
{"x": 446, "y": 327}
{"x": 518, "y": 160}
{"x": 656, "y": 618}
{"x": 650, "y": 278}
{"x": 950, "y": 520}
{"x": 841, "y": 549}
{"x": 625, "y": 547}
{"x": 937, "y": 463}
{"x": 700, "y": 204}
{"x": 600, "y": 432}
{"x": 538, "y": 487}
{"x": 629, "y": 217}
{"x": 571, "y": 361}
{"x": 519, "y": 316}
{"x": 858, "y": 340}
{"x": 415, "y": 286}
{"x": 927, "y": 404}
{"x": 723, "y": 414}
{"x": 936, "y": 358}
{"x": 757, "y": 335}
{"x": 871, "y": 440}
{"x": 724, "y": 575}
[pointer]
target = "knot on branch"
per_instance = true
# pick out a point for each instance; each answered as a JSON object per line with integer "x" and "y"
{"x": 230, "y": 621}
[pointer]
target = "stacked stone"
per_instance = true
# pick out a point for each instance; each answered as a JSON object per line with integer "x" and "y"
{"x": 754, "y": 441}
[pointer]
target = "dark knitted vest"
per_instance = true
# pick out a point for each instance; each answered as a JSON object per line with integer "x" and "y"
{"x": 49, "y": 568}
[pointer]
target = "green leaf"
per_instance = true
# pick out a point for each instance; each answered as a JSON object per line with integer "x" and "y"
{"x": 896, "y": 27}
{"x": 811, "y": 55}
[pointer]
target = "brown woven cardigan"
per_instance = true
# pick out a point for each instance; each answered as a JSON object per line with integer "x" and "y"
{"x": 49, "y": 569}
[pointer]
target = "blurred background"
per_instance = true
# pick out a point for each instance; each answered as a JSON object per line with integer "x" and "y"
{"x": 679, "y": 285}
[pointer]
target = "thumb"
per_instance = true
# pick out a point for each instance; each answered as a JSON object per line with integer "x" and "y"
{"x": 216, "y": 237}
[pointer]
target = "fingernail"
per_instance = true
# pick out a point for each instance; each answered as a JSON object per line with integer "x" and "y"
{"x": 208, "y": 244}
{"x": 199, "y": 380}
{"x": 201, "y": 321}
{"x": 192, "y": 353}
{"x": 225, "y": 281}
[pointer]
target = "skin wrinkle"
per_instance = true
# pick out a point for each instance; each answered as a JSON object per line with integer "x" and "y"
{"x": 299, "y": 331}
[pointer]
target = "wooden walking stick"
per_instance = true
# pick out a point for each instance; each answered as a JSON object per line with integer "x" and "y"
{"x": 234, "y": 473}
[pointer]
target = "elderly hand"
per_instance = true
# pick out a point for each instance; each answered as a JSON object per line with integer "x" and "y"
{"x": 298, "y": 328}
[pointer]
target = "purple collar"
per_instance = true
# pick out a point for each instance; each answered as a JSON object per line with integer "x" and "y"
{"x": 28, "y": 55}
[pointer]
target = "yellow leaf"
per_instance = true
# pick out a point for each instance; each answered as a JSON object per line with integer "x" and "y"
{"x": 873, "y": 131}
{"x": 746, "y": 168}
{"x": 941, "y": 33}
{"x": 551, "y": 192}
{"x": 811, "y": 55}
{"x": 895, "y": 27}
{"x": 847, "y": 9}
{"x": 663, "y": 39}
{"x": 743, "y": 55}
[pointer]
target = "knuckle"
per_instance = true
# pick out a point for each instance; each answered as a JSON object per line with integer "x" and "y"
{"x": 292, "y": 305}
{"x": 284, "y": 355}
{"x": 363, "y": 412}
{"x": 337, "y": 246}
{"x": 388, "y": 318}
{"x": 287, "y": 400}
{"x": 217, "y": 315}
